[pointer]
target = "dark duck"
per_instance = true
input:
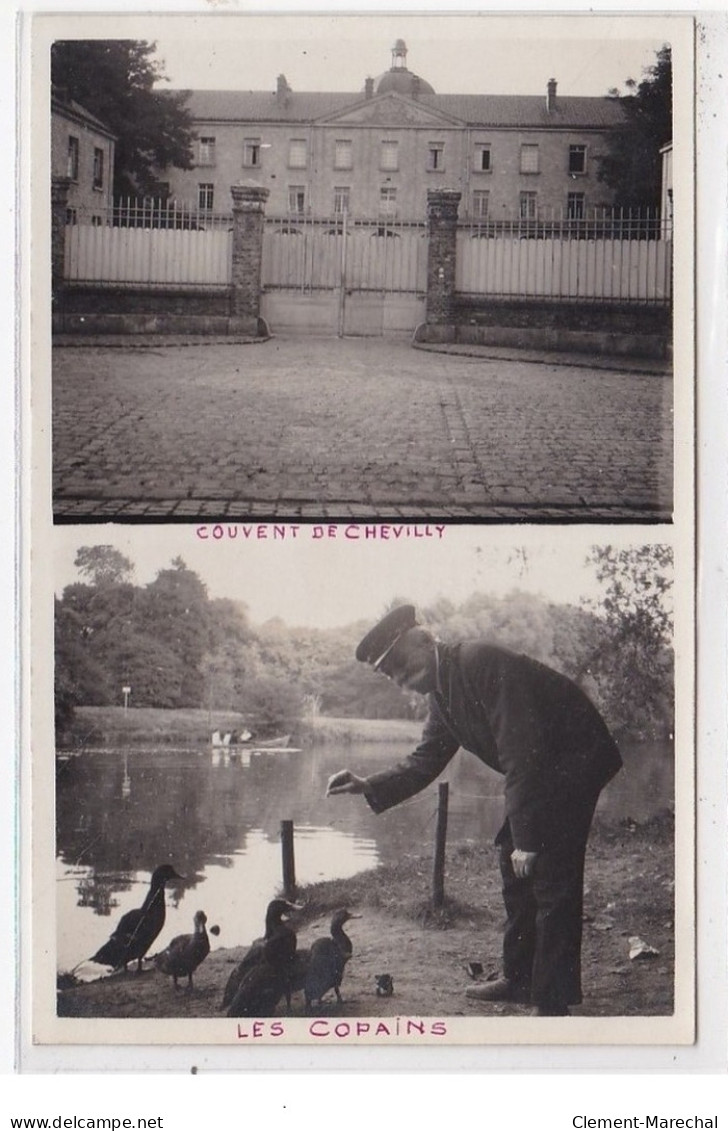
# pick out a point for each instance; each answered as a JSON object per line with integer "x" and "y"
{"x": 263, "y": 985}
{"x": 275, "y": 950}
{"x": 185, "y": 952}
{"x": 138, "y": 929}
{"x": 322, "y": 968}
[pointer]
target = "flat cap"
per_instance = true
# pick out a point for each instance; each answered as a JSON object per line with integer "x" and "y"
{"x": 378, "y": 641}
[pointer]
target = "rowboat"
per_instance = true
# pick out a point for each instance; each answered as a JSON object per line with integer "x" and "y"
{"x": 227, "y": 750}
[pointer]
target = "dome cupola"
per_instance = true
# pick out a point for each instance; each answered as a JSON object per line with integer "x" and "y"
{"x": 398, "y": 78}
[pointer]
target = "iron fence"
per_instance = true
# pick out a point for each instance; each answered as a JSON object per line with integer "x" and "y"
{"x": 576, "y": 224}
{"x": 163, "y": 213}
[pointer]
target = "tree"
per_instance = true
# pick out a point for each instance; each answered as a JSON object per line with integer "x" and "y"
{"x": 271, "y": 706}
{"x": 631, "y": 658}
{"x": 633, "y": 166}
{"x": 103, "y": 565}
{"x": 115, "y": 80}
{"x": 79, "y": 678}
{"x": 175, "y": 607}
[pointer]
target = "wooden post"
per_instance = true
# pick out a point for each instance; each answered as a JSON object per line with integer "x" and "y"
{"x": 438, "y": 877}
{"x": 289, "y": 866}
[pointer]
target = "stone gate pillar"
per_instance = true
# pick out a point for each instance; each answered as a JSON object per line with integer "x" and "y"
{"x": 59, "y": 204}
{"x": 442, "y": 215}
{"x": 248, "y": 219}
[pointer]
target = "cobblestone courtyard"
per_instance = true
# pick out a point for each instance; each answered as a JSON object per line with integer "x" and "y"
{"x": 310, "y": 427}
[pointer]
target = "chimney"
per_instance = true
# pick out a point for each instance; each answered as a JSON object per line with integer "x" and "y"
{"x": 550, "y": 96}
{"x": 282, "y": 90}
{"x": 368, "y": 88}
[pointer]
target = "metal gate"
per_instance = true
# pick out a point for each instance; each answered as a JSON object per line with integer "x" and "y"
{"x": 344, "y": 276}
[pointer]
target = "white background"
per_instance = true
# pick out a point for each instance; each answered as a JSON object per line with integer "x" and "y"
{"x": 688, "y": 1083}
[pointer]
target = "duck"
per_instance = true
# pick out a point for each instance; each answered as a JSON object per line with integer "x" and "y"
{"x": 277, "y": 947}
{"x": 137, "y": 929}
{"x": 385, "y": 985}
{"x": 262, "y": 986}
{"x": 185, "y": 952}
{"x": 327, "y": 957}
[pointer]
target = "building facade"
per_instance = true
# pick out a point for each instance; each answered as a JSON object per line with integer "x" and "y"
{"x": 375, "y": 154}
{"x": 82, "y": 150}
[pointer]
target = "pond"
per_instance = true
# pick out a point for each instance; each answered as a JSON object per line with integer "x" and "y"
{"x": 120, "y": 814}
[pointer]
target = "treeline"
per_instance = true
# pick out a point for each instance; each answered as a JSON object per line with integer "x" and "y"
{"x": 175, "y": 646}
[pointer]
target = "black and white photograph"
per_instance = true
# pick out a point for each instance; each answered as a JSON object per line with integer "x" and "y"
{"x": 393, "y": 266}
{"x": 437, "y": 802}
{"x": 360, "y": 538}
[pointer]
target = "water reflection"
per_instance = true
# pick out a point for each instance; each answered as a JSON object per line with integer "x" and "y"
{"x": 120, "y": 815}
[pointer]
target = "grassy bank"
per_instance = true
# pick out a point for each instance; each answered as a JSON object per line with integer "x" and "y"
{"x": 155, "y": 726}
{"x": 344, "y": 730}
{"x": 472, "y": 886}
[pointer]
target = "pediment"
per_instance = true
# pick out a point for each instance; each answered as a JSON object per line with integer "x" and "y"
{"x": 386, "y": 110}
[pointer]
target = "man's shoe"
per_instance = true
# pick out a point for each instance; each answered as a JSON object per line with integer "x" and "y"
{"x": 500, "y": 990}
{"x": 550, "y": 1011}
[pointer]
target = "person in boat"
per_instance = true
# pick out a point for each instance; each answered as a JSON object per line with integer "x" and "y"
{"x": 556, "y": 754}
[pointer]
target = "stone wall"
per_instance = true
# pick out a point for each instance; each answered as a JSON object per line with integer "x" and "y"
{"x": 588, "y": 327}
{"x": 129, "y": 310}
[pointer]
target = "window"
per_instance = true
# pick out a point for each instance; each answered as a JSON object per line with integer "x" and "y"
{"x": 296, "y": 198}
{"x": 577, "y": 159}
{"x": 527, "y": 205}
{"x": 251, "y": 152}
{"x": 207, "y": 151}
{"x": 98, "y": 168}
{"x": 72, "y": 167}
{"x": 297, "y": 154}
{"x": 436, "y": 156}
{"x": 529, "y": 158}
{"x": 482, "y": 159}
{"x": 481, "y": 200}
{"x": 343, "y": 158}
{"x": 97, "y": 221}
{"x": 387, "y": 201}
{"x": 341, "y": 199}
{"x": 389, "y": 156}
{"x": 205, "y": 197}
{"x": 575, "y": 206}
{"x": 71, "y": 216}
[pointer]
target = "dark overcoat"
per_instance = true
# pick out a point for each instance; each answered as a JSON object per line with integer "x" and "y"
{"x": 523, "y": 719}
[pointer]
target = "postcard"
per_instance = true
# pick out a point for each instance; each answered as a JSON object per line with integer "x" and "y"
{"x": 360, "y": 535}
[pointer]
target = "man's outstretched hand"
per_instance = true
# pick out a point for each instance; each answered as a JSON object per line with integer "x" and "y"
{"x": 345, "y": 782}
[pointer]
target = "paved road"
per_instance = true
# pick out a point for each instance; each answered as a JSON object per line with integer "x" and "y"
{"x": 313, "y": 427}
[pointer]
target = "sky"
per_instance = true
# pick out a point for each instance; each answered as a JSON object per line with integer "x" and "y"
{"x": 331, "y": 575}
{"x": 456, "y": 54}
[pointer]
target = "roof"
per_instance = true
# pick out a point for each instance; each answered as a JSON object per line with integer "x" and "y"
{"x": 486, "y": 110}
{"x": 78, "y": 113}
{"x": 403, "y": 81}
